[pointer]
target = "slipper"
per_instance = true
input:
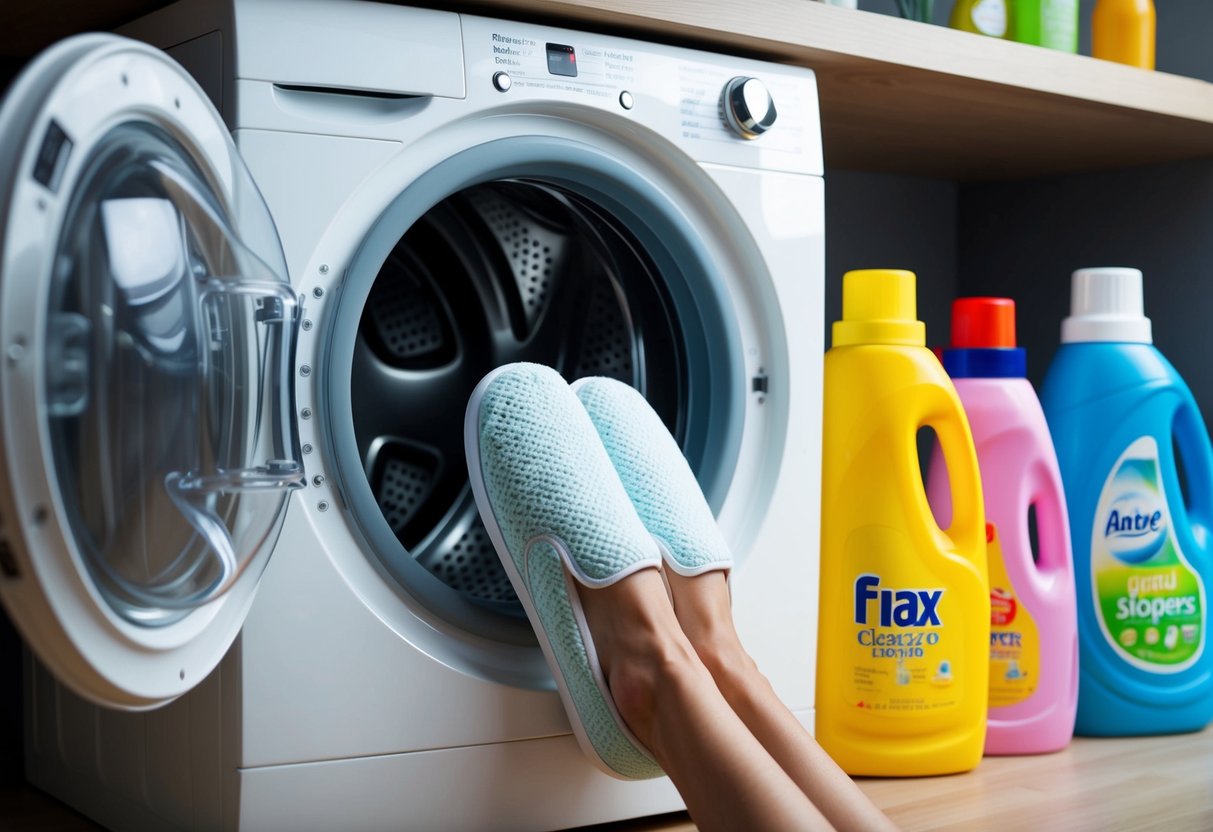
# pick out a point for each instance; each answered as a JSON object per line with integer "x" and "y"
{"x": 656, "y": 476}
{"x": 557, "y": 513}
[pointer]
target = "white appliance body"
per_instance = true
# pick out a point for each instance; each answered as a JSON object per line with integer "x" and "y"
{"x": 354, "y": 701}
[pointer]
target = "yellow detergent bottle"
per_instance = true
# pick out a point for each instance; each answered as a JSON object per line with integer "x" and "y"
{"x": 903, "y": 655}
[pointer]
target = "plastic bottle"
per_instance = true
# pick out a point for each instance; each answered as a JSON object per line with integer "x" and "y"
{"x": 1118, "y": 412}
{"x": 985, "y": 17}
{"x": 903, "y": 654}
{"x": 1052, "y": 24}
{"x": 1033, "y": 625}
{"x": 1124, "y": 31}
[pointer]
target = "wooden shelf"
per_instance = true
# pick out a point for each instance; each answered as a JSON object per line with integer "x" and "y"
{"x": 896, "y": 95}
{"x": 914, "y": 98}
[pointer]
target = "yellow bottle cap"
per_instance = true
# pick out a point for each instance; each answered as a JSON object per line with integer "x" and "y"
{"x": 879, "y": 306}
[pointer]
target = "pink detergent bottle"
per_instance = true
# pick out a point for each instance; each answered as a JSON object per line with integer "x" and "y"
{"x": 1033, "y": 617}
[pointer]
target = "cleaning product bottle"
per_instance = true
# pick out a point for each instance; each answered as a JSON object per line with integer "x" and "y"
{"x": 1033, "y": 626}
{"x": 1123, "y": 31}
{"x": 904, "y": 620}
{"x": 986, "y": 17}
{"x": 1052, "y": 24}
{"x": 1123, "y": 422}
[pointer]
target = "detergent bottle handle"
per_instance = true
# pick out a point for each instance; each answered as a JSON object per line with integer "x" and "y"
{"x": 1052, "y": 524}
{"x": 943, "y": 414}
{"x": 1192, "y": 443}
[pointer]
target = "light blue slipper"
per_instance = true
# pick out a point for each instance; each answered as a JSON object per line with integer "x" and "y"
{"x": 656, "y": 476}
{"x": 556, "y": 512}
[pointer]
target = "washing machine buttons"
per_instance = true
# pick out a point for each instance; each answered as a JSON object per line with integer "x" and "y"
{"x": 502, "y": 81}
{"x": 748, "y": 107}
{"x": 626, "y": 100}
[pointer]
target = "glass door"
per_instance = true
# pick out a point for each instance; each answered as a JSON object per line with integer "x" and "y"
{"x": 147, "y": 438}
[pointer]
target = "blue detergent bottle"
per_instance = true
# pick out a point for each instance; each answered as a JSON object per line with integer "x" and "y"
{"x": 1119, "y": 413}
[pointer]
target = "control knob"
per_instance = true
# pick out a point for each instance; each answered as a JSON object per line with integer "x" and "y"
{"x": 748, "y": 107}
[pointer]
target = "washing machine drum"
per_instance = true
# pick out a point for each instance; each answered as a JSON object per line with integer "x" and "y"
{"x": 499, "y": 272}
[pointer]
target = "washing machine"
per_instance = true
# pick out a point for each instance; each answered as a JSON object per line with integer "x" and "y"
{"x": 242, "y": 308}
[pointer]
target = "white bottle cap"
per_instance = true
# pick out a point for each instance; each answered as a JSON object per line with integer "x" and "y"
{"x": 1106, "y": 305}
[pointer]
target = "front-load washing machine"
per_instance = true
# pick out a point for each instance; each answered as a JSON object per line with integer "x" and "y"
{"x": 236, "y": 529}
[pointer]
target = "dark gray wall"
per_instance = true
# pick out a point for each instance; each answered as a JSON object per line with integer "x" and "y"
{"x": 898, "y": 222}
{"x": 1023, "y": 239}
{"x": 943, "y": 8}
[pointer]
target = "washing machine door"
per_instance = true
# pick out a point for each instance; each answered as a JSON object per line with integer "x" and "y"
{"x": 147, "y": 332}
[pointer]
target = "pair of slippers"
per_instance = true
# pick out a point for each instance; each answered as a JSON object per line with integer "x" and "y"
{"x": 583, "y": 483}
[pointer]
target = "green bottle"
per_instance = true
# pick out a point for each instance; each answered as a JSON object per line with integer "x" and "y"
{"x": 986, "y": 17}
{"x": 1052, "y": 24}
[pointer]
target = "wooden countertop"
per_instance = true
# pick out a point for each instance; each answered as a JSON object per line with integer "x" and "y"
{"x": 1111, "y": 785}
{"x": 1106, "y": 784}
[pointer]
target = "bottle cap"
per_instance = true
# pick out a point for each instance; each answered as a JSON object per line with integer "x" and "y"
{"x": 879, "y": 307}
{"x": 983, "y": 322}
{"x": 983, "y": 340}
{"x": 1106, "y": 305}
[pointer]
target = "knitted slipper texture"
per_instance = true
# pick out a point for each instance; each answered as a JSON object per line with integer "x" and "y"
{"x": 656, "y": 476}
{"x": 556, "y": 511}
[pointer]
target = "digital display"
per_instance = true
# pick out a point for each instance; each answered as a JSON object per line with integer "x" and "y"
{"x": 562, "y": 60}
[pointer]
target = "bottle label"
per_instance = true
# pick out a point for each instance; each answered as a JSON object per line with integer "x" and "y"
{"x": 900, "y": 649}
{"x": 990, "y": 17}
{"x": 1059, "y": 24}
{"x": 1150, "y": 602}
{"x": 1014, "y": 642}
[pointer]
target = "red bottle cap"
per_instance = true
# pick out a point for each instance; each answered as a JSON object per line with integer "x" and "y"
{"x": 983, "y": 323}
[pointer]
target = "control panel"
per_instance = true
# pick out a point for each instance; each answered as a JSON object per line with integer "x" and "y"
{"x": 718, "y": 108}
